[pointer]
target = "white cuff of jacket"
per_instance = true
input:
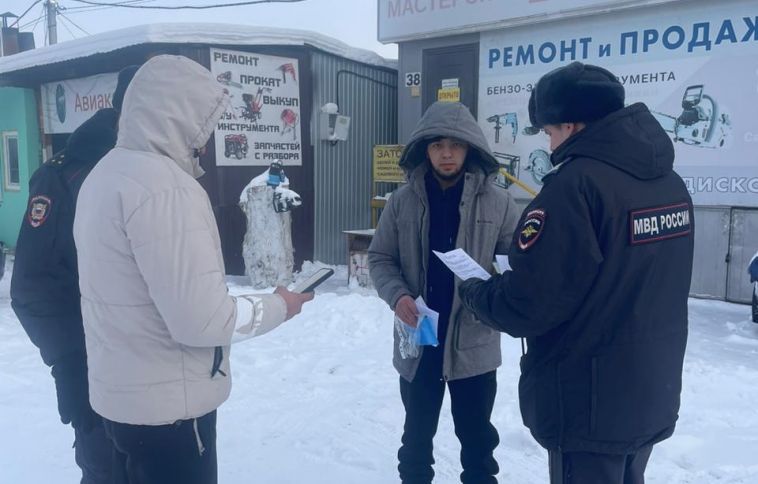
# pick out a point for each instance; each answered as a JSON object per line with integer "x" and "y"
{"x": 257, "y": 314}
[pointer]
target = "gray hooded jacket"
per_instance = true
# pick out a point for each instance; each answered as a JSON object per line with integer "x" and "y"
{"x": 399, "y": 252}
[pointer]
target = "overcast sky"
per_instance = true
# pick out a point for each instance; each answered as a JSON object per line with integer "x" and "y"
{"x": 351, "y": 21}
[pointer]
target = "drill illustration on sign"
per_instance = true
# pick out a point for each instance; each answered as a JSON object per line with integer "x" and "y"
{"x": 285, "y": 69}
{"x": 289, "y": 123}
{"x": 507, "y": 119}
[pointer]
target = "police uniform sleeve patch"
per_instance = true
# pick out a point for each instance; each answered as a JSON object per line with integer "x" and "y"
{"x": 39, "y": 209}
{"x": 659, "y": 223}
{"x": 531, "y": 228}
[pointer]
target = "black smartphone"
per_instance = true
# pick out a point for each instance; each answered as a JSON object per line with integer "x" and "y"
{"x": 314, "y": 280}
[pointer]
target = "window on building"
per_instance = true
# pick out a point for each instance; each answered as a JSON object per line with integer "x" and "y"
{"x": 11, "y": 172}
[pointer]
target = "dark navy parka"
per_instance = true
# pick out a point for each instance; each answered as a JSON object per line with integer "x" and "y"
{"x": 602, "y": 260}
{"x": 45, "y": 283}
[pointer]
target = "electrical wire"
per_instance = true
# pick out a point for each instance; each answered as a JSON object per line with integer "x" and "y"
{"x": 67, "y": 29}
{"x": 186, "y": 7}
{"x": 35, "y": 2}
{"x": 108, "y": 4}
{"x": 72, "y": 23}
{"x": 24, "y": 26}
{"x": 34, "y": 27}
{"x": 92, "y": 8}
{"x": 90, "y": 5}
{"x": 35, "y": 21}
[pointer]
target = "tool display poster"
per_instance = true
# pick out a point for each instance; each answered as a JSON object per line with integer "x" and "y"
{"x": 262, "y": 123}
{"x": 695, "y": 65}
{"x": 67, "y": 104}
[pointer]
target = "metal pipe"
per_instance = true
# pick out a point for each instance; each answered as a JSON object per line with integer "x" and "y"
{"x": 518, "y": 182}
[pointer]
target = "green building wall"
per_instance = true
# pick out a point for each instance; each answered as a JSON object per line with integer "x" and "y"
{"x": 18, "y": 112}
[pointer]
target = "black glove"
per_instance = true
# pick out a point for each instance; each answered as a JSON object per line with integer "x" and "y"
{"x": 465, "y": 289}
{"x": 70, "y": 373}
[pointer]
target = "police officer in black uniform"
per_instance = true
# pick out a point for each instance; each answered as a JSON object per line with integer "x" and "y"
{"x": 45, "y": 284}
{"x": 602, "y": 260}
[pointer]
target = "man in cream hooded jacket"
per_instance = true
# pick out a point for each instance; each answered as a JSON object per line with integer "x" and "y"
{"x": 158, "y": 318}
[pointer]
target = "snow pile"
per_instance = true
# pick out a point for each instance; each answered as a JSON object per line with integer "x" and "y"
{"x": 317, "y": 401}
{"x": 267, "y": 248}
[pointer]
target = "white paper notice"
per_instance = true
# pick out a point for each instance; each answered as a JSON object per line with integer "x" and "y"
{"x": 502, "y": 263}
{"x": 462, "y": 264}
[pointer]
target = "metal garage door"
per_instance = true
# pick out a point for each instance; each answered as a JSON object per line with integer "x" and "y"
{"x": 743, "y": 244}
{"x": 711, "y": 249}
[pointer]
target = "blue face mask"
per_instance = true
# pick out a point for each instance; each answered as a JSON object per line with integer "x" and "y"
{"x": 426, "y": 332}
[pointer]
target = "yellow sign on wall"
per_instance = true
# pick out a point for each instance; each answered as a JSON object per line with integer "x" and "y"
{"x": 449, "y": 94}
{"x": 386, "y": 163}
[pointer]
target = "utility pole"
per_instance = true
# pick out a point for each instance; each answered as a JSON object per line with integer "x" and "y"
{"x": 51, "y": 10}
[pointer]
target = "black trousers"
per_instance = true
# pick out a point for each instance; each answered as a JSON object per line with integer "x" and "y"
{"x": 183, "y": 452}
{"x": 589, "y": 468}
{"x": 93, "y": 453}
{"x": 472, "y": 400}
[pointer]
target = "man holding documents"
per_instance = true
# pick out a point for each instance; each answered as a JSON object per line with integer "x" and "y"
{"x": 602, "y": 261}
{"x": 449, "y": 202}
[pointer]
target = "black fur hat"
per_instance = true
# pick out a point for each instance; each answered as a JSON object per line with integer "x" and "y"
{"x": 575, "y": 93}
{"x": 125, "y": 76}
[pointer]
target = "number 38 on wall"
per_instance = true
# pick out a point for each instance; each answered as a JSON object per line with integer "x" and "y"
{"x": 412, "y": 79}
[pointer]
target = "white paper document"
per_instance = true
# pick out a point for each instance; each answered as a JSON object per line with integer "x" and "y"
{"x": 502, "y": 263}
{"x": 462, "y": 264}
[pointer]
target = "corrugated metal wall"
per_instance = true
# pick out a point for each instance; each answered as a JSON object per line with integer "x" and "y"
{"x": 342, "y": 178}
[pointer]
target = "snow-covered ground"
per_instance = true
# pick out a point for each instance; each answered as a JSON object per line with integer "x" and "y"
{"x": 317, "y": 402}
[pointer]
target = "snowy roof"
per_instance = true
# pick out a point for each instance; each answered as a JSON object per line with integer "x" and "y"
{"x": 186, "y": 33}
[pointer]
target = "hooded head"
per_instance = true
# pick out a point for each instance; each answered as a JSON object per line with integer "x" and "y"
{"x": 576, "y": 93}
{"x": 171, "y": 108}
{"x": 448, "y": 120}
{"x": 125, "y": 76}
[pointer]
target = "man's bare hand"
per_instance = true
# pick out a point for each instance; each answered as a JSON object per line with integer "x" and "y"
{"x": 406, "y": 310}
{"x": 293, "y": 300}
